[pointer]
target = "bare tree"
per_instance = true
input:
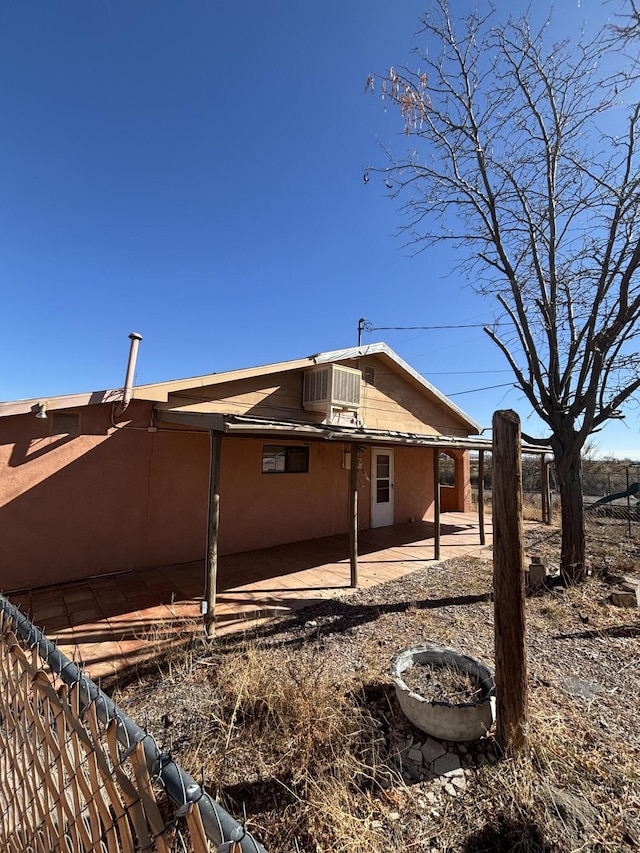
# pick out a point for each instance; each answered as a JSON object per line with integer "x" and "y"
{"x": 524, "y": 157}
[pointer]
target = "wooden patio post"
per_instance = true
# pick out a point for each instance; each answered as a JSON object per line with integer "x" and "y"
{"x": 213, "y": 523}
{"x": 481, "y": 496}
{"x": 436, "y": 503}
{"x": 546, "y": 491}
{"x": 509, "y": 584}
{"x": 353, "y": 515}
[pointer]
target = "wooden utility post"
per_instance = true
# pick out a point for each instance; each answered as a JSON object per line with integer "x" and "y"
{"x": 213, "y": 523}
{"x": 509, "y": 584}
{"x": 353, "y": 515}
{"x": 436, "y": 503}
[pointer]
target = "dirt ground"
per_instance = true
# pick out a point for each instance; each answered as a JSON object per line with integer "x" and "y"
{"x": 297, "y": 722}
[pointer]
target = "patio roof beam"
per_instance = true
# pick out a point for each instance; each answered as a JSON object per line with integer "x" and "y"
{"x": 245, "y": 427}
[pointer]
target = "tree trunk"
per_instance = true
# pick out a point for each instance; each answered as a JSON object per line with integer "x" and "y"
{"x": 573, "y": 553}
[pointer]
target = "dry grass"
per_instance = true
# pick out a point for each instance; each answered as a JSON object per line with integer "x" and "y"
{"x": 297, "y": 721}
{"x": 292, "y": 724}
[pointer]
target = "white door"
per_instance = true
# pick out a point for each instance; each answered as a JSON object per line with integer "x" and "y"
{"x": 381, "y": 488}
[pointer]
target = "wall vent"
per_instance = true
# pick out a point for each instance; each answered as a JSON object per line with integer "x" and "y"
{"x": 332, "y": 385}
{"x": 65, "y": 423}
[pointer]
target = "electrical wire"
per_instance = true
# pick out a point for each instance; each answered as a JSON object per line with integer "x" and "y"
{"x": 465, "y": 372}
{"x": 431, "y": 328}
{"x": 486, "y": 388}
{"x": 368, "y": 327}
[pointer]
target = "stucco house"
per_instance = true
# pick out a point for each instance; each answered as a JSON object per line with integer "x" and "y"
{"x": 116, "y": 480}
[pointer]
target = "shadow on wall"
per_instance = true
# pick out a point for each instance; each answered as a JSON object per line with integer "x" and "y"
{"x": 33, "y": 437}
{"x": 98, "y": 503}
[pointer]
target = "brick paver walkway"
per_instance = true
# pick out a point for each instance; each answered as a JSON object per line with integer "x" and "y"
{"x": 112, "y": 622}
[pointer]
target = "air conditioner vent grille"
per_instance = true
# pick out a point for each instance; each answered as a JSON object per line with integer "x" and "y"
{"x": 332, "y": 385}
{"x": 316, "y": 386}
{"x": 346, "y": 388}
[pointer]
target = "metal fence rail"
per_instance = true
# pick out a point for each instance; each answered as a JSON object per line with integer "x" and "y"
{"x": 77, "y": 774}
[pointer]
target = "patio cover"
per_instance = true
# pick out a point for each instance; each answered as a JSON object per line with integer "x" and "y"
{"x": 244, "y": 426}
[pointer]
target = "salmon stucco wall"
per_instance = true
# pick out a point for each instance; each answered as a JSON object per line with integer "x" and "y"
{"x": 457, "y": 498}
{"x": 259, "y": 510}
{"x": 114, "y": 499}
{"x": 106, "y": 500}
{"x": 413, "y": 491}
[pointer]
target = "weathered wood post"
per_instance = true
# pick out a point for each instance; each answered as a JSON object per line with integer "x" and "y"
{"x": 546, "y": 491}
{"x": 481, "y": 496}
{"x": 436, "y": 503}
{"x": 353, "y": 515}
{"x": 509, "y": 584}
{"x": 213, "y": 523}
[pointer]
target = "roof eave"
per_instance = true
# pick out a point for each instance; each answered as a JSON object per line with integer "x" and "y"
{"x": 68, "y": 401}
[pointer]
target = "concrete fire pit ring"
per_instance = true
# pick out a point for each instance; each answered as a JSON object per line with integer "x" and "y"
{"x": 444, "y": 720}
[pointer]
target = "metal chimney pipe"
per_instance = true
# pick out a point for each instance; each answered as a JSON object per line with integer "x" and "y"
{"x": 131, "y": 369}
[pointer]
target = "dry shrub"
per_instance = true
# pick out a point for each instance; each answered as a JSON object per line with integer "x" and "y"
{"x": 562, "y": 791}
{"x": 552, "y": 798}
{"x": 283, "y": 732}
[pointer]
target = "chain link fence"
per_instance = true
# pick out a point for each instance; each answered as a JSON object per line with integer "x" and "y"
{"x": 78, "y": 776}
{"x": 612, "y": 497}
{"x": 533, "y": 479}
{"x": 611, "y": 493}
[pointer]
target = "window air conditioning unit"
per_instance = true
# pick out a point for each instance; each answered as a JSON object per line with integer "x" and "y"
{"x": 332, "y": 385}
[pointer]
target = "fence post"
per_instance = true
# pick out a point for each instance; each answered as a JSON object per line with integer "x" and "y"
{"x": 508, "y": 584}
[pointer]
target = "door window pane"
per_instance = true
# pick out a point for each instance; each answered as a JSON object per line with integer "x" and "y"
{"x": 382, "y": 492}
{"x": 382, "y": 466}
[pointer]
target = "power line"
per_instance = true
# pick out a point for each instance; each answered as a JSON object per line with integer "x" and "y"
{"x": 465, "y": 372}
{"x": 369, "y": 328}
{"x": 475, "y": 390}
{"x": 365, "y": 326}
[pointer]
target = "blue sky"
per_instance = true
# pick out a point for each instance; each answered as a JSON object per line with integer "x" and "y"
{"x": 193, "y": 171}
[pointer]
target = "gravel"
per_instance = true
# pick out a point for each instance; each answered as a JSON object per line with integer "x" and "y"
{"x": 584, "y": 684}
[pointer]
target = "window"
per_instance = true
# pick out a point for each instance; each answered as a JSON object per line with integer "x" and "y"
{"x": 278, "y": 459}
